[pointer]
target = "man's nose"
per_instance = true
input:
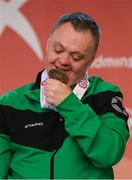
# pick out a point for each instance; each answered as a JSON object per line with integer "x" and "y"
{"x": 64, "y": 59}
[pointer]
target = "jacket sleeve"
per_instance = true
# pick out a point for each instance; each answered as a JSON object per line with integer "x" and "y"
{"x": 102, "y": 137}
{"x": 5, "y": 152}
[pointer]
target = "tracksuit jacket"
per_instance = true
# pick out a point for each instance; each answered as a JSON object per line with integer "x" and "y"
{"x": 83, "y": 139}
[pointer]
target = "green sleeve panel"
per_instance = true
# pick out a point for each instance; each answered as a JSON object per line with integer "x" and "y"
{"x": 101, "y": 137}
{"x": 5, "y": 156}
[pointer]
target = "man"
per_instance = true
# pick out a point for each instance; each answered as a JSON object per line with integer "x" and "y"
{"x": 57, "y": 129}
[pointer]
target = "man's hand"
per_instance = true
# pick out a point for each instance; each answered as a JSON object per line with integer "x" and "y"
{"x": 56, "y": 91}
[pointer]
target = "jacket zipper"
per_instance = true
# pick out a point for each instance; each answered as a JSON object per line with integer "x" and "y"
{"x": 52, "y": 166}
{"x": 53, "y": 155}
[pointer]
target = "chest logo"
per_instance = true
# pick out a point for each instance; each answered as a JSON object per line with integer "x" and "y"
{"x": 37, "y": 124}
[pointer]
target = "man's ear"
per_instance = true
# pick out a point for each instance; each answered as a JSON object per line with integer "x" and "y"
{"x": 91, "y": 61}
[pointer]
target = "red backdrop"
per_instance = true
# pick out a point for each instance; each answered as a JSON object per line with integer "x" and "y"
{"x": 24, "y": 29}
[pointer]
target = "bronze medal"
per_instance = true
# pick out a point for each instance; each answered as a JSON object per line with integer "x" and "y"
{"x": 57, "y": 74}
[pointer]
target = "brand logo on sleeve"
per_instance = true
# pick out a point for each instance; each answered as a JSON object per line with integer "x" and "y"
{"x": 117, "y": 105}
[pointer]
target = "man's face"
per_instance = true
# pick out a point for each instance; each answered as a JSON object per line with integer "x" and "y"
{"x": 70, "y": 51}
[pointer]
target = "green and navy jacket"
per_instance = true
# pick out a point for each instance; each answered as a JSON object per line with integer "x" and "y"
{"x": 83, "y": 139}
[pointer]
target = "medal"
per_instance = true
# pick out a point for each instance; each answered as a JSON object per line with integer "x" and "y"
{"x": 57, "y": 74}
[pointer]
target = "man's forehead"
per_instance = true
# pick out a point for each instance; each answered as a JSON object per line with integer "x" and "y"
{"x": 68, "y": 37}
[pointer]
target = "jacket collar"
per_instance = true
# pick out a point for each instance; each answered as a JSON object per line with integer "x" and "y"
{"x": 36, "y": 85}
{"x": 34, "y": 92}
